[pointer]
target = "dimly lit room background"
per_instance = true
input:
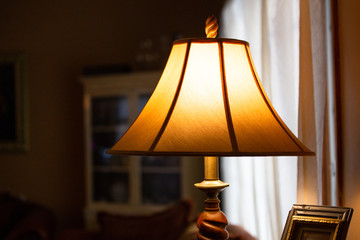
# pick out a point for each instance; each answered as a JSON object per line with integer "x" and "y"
{"x": 62, "y": 38}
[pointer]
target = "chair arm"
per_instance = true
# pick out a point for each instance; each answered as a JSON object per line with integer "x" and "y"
{"x": 39, "y": 223}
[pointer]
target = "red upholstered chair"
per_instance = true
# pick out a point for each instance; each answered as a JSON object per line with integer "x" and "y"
{"x": 170, "y": 224}
{"x": 24, "y": 220}
{"x": 166, "y": 225}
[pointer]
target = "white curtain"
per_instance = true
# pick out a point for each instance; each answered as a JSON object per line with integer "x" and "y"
{"x": 262, "y": 190}
{"x": 295, "y": 66}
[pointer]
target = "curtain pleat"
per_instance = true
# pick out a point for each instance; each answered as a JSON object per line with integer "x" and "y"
{"x": 313, "y": 174}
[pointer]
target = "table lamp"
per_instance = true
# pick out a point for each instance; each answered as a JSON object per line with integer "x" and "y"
{"x": 209, "y": 102}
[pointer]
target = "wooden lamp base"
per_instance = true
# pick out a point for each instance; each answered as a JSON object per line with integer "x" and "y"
{"x": 212, "y": 222}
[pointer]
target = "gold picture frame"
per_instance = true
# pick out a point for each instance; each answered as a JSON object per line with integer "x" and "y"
{"x": 315, "y": 222}
{"x": 13, "y": 116}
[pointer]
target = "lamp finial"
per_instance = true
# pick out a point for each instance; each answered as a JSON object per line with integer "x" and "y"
{"x": 211, "y": 27}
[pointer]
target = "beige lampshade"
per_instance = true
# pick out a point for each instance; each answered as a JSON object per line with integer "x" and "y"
{"x": 209, "y": 101}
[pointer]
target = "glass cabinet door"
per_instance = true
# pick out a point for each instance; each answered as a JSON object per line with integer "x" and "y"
{"x": 161, "y": 183}
{"x": 158, "y": 179}
{"x": 109, "y": 120}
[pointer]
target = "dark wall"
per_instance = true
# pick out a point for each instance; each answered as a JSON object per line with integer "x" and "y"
{"x": 349, "y": 37}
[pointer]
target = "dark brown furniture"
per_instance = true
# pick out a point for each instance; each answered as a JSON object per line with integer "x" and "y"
{"x": 24, "y": 220}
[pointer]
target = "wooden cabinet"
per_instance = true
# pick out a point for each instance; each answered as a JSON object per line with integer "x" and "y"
{"x": 128, "y": 184}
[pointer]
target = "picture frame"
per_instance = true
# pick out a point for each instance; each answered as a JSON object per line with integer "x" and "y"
{"x": 316, "y": 222}
{"x": 13, "y": 114}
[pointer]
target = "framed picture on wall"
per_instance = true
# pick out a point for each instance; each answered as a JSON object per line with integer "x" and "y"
{"x": 13, "y": 122}
{"x": 314, "y": 222}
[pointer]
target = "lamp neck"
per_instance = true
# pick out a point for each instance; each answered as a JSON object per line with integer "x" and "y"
{"x": 211, "y": 168}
